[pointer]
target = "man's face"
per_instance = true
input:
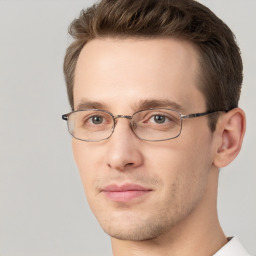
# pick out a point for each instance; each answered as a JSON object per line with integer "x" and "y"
{"x": 139, "y": 189}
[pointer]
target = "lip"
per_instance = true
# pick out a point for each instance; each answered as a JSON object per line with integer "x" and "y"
{"x": 125, "y": 192}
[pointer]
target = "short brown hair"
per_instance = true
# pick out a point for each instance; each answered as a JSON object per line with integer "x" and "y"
{"x": 220, "y": 60}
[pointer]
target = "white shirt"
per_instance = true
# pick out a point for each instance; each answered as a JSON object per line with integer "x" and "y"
{"x": 232, "y": 248}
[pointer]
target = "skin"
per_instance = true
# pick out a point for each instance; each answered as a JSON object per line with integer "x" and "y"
{"x": 179, "y": 213}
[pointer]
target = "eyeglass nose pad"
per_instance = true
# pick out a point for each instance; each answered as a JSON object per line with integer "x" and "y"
{"x": 133, "y": 125}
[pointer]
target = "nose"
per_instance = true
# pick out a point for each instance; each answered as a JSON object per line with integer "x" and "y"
{"x": 123, "y": 147}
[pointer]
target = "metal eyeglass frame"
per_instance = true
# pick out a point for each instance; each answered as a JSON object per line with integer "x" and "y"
{"x": 193, "y": 115}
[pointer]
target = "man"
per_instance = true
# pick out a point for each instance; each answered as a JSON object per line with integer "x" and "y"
{"x": 154, "y": 89}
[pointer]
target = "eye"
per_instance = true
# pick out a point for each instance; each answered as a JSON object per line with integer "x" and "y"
{"x": 92, "y": 119}
{"x": 159, "y": 119}
{"x": 96, "y": 119}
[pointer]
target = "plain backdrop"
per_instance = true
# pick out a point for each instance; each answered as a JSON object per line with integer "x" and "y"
{"x": 43, "y": 210}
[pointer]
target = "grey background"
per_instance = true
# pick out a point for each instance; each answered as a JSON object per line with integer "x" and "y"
{"x": 43, "y": 211}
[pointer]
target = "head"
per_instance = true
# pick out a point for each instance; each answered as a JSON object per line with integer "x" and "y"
{"x": 221, "y": 67}
{"x": 131, "y": 55}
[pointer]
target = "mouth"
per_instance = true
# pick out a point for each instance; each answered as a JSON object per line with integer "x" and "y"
{"x": 125, "y": 193}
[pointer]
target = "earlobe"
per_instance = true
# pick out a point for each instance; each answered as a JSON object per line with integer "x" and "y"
{"x": 230, "y": 132}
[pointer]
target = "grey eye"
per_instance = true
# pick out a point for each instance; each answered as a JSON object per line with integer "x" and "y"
{"x": 97, "y": 119}
{"x": 159, "y": 119}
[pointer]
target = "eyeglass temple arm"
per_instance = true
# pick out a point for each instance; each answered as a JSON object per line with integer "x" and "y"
{"x": 198, "y": 114}
{"x": 65, "y": 117}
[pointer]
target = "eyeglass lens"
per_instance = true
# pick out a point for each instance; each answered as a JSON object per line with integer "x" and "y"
{"x": 152, "y": 125}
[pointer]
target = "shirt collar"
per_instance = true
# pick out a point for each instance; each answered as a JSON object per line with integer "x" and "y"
{"x": 232, "y": 248}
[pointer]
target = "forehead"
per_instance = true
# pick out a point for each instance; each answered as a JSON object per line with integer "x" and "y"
{"x": 124, "y": 72}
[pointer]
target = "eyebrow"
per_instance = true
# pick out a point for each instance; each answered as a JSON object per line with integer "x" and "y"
{"x": 141, "y": 105}
{"x": 155, "y": 103}
{"x": 84, "y": 104}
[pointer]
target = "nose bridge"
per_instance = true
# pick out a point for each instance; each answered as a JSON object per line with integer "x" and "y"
{"x": 121, "y": 151}
{"x": 122, "y": 116}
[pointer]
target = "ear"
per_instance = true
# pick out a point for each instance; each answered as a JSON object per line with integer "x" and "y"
{"x": 230, "y": 133}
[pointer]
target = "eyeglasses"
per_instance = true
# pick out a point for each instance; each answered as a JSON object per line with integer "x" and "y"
{"x": 155, "y": 124}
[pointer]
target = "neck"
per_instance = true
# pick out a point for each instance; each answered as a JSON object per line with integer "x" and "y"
{"x": 198, "y": 234}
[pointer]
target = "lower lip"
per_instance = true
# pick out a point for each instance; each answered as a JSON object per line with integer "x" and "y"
{"x": 124, "y": 196}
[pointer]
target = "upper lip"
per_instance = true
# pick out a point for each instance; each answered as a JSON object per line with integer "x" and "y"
{"x": 124, "y": 187}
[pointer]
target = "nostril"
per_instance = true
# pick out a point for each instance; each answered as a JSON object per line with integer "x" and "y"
{"x": 128, "y": 165}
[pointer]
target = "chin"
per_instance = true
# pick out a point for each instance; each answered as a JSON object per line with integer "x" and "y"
{"x": 135, "y": 229}
{"x": 132, "y": 235}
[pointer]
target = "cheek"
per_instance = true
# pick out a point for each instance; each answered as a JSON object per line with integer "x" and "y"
{"x": 178, "y": 155}
{"x": 182, "y": 164}
{"x": 87, "y": 162}
{"x": 184, "y": 176}
{"x": 194, "y": 146}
